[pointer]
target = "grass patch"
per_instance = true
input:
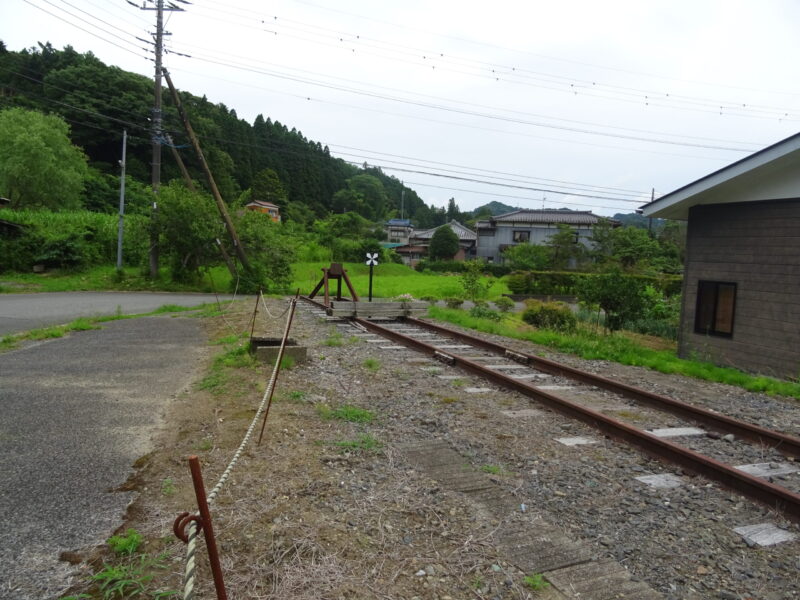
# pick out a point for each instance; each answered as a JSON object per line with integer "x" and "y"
{"x": 618, "y": 348}
{"x": 346, "y": 412}
{"x": 535, "y": 581}
{"x": 335, "y": 339}
{"x": 168, "y": 487}
{"x": 493, "y": 469}
{"x": 125, "y": 544}
{"x": 363, "y": 443}
{"x": 371, "y": 364}
{"x": 107, "y": 278}
{"x": 131, "y": 579}
{"x": 9, "y": 342}
{"x": 391, "y": 281}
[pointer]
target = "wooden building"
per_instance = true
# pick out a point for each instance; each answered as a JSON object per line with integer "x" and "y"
{"x": 268, "y": 208}
{"x": 741, "y": 290}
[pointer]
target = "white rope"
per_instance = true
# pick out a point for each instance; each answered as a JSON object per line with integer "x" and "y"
{"x": 266, "y": 309}
{"x": 191, "y": 547}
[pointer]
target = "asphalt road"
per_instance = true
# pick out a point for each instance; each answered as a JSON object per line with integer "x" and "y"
{"x": 76, "y": 414}
{"x": 21, "y": 312}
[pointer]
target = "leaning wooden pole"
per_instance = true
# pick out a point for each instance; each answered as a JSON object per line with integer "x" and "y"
{"x": 223, "y": 210}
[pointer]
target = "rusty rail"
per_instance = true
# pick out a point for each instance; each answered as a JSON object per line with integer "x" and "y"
{"x": 784, "y": 443}
{"x": 752, "y": 487}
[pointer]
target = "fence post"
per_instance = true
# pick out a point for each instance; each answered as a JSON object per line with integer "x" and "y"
{"x": 208, "y": 529}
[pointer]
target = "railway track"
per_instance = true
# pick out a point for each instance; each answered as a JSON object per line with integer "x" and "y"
{"x": 641, "y": 418}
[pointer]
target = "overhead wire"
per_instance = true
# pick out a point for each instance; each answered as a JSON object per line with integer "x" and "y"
{"x": 465, "y": 112}
{"x": 83, "y": 29}
{"x": 516, "y": 74}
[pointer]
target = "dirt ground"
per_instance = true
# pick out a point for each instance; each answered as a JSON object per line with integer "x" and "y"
{"x": 326, "y": 508}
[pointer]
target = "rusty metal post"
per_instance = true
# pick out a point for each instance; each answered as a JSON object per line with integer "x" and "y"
{"x": 208, "y": 529}
{"x": 278, "y": 363}
{"x": 327, "y": 287}
{"x": 255, "y": 312}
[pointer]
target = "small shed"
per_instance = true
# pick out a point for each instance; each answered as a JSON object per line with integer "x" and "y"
{"x": 741, "y": 289}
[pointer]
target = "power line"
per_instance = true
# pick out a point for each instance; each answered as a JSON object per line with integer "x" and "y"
{"x": 83, "y": 29}
{"x": 519, "y": 75}
{"x": 466, "y": 112}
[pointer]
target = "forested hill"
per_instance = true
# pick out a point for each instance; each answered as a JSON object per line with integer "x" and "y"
{"x": 99, "y": 101}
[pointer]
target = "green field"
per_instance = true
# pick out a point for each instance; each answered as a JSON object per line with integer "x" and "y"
{"x": 390, "y": 280}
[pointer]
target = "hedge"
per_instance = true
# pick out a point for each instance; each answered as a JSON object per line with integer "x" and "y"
{"x": 566, "y": 282}
{"x": 454, "y": 266}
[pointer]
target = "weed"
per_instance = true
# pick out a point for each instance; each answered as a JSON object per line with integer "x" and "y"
{"x": 125, "y": 544}
{"x": 78, "y": 597}
{"x": 449, "y": 400}
{"x": 371, "y": 364}
{"x": 335, "y": 339}
{"x": 214, "y": 382}
{"x": 228, "y": 339}
{"x": 535, "y": 581}
{"x": 493, "y": 469}
{"x": 205, "y": 445}
{"x": 131, "y": 579}
{"x": 346, "y": 412}
{"x": 168, "y": 487}
{"x": 458, "y": 382}
{"x": 236, "y": 357}
{"x": 287, "y": 362}
{"x": 476, "y": 583}
{"x": 295, "y": 396}
{"x": 363, "y": 443}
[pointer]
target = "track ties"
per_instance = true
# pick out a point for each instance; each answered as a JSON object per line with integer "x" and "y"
{"x": 572, "y": 567}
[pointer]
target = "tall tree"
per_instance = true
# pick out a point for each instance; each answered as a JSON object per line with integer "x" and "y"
{"x": 444, "y": 243}
{"x": 39, "y": 166}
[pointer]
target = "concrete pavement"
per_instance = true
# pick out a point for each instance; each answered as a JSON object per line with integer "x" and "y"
{"x": 21, "y": 312}
{"x": 76, "y": 413}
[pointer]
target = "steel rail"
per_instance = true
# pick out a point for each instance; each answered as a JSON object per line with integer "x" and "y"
{"x": 752, "y": 487}
{"x": 786, "y": 444}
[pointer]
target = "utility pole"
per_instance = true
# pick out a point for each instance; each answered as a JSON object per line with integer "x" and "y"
{"x": 402, "y": 200}
{"x": 223, "y": 211}
{"x": 156, "y": 128}
{"x": 650, "y": 219}
{"x": 121, "y": 199}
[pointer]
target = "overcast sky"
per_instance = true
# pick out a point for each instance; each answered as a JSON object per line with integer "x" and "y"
{"x": 583, "y": 104}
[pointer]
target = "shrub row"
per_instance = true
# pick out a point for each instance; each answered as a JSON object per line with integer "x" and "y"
{"x": 568, "y": 282}
{"x": 69, "y": 240}
{"x": 453, "y": 266}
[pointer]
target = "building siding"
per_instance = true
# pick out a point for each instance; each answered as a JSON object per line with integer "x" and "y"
{"x": 757, "y": 246}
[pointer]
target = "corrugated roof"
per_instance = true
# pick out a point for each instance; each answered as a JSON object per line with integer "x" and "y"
{"x": 399, "y": 222}
{"x": 462, "y": 232}
{"x": 568, "y": 217}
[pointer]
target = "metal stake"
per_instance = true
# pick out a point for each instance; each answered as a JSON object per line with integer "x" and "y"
{"x": 208, "y": 529}
{"x": 278, "y": 363}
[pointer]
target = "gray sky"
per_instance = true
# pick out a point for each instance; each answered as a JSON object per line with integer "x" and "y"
{"x": 578, "y": 99}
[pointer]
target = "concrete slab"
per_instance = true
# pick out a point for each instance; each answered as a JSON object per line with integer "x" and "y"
{"x": 575, "y": 441}
{"x": 432, "y": 369}
{"x": 378, "y": 341}
{"x": 506, "y": 367}
{"x": 453, "y": 346}
{"x": 477, "y": 390}
{"x": 769, "y": 469}
{"x": 522, "y": 414}
{"x": 764, "y": 534}
{"x": 450, "y": 377}
{"x": 662, "y": 480}
{"x": 670, "y": 432}
{"x": 531, "y": 376}
{"x": 392, "y": 347}
{"x": 554, "y": 388}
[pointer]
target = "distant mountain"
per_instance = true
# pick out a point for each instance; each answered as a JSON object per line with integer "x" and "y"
{"x": 636, "y": 220}
{"x": 495, "y": 208}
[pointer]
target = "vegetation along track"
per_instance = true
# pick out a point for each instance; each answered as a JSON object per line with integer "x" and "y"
{"x": 526, "y": 373}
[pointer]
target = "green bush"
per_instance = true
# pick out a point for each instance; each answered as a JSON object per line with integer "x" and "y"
{"x": 568, "y": 282}
{"x": 452, "y": 266}
{"x": 483, "y": 312}
{"x": 622, "y": 298}
{"x": 549, "y": 315}
{"x": 453, "y": 302}
{"x": 504, "y": 304}
{"x": 70, "y": 239}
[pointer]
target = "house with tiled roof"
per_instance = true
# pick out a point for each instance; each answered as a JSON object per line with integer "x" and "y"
{"x": 420, "y": 241}
{"x": 500, "y": 232}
